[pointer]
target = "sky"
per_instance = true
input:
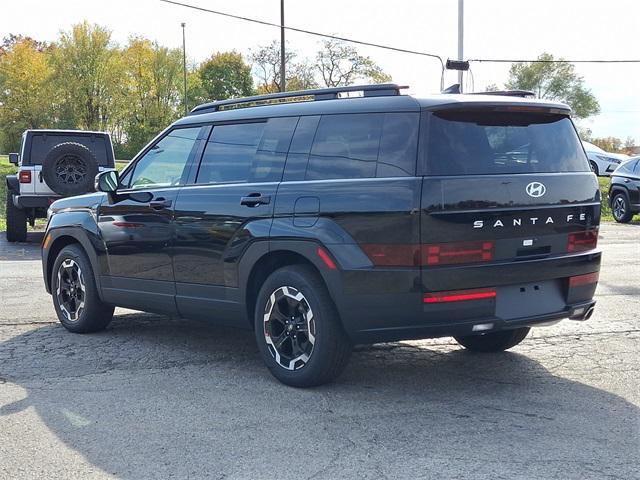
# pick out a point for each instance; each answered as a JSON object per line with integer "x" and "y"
{"x": 513, "y": 29}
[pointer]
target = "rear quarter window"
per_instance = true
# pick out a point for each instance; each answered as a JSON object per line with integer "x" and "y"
{"x": 477, "y": 142}
{"x": 369, "y": 145}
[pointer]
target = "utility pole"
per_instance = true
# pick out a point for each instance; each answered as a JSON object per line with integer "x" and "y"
{"x": 460, "y": 38}
{"x": 184, "y": 68}
{"x": 282, "y": 65}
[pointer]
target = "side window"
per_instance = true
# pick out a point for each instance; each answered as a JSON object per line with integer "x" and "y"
{"x": 298, "y": 156}
{"x": 164, "y": 164}
{"x": 399, "y": 145}
{"x": 247, "y": 152}
{"x": 637, "y": 168}
{"x": 345, "y": 146}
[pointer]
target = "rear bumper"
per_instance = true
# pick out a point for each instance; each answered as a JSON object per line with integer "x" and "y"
{"x": 34, "y": 201}
{"x": 378, "y": 305}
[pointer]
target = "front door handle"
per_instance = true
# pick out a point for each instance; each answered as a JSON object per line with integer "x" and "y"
{"x": 160, "y": 203}
{"x": 255, "y": 199}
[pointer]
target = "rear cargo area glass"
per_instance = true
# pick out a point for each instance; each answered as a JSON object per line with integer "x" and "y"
{"x": 473, "y": 142}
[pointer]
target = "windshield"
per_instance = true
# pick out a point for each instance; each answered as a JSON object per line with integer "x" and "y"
{"x": 488, "y": 142}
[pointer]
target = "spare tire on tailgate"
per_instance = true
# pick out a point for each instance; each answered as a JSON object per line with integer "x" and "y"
{"x": 69, "y": 169}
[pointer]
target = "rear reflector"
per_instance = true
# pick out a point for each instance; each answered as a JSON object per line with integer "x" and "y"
{"x": 25, "y": 176}
{"x": 459, "y": 295}
{"x": 457, "y": 252}
{"x": 587, "y": 279}
{"x": 581, "y": 241}
{"x": 324, "y": 256}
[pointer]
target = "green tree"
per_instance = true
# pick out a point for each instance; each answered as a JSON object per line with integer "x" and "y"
{"x": 340, "y": 64}
{"x": 86, "y": 76}
{"x": 25, "y": 91}
{"x": 225, "y": 75}
{"x": 554, "y": 81}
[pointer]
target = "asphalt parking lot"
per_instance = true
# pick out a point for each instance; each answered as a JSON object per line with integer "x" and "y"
{"x": 155, "y": 397}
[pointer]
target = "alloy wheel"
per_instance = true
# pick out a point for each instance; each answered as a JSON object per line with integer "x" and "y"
{"x": 619, "y": 207}
{"x": 71, "y": 169}
{"x": 71, "y": 291}
{"x": 289, "y": 328}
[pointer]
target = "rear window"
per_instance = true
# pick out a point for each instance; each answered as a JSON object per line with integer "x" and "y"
{"x": 42, "y": 143}
{"x": 486, "y": 142}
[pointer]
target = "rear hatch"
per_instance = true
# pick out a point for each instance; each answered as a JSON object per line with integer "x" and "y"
{"x": 505, "y": 191}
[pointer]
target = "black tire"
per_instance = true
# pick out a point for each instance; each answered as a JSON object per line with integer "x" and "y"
{"x": 493, "y": 342}
{"x": 70, "y": 169}
{"x": 327, "y": 348}
{"x": 16, "y": 221}
{"x": 94, "y": 314}
{"x": 594, "y": 168}
{"x": 620, "y": 208}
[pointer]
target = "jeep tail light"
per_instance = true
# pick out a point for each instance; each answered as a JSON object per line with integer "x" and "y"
{"x": 587, "y": 279}
{"x": 581, "y": 241}
{"x": 459, "y": 295}
{"x": 457, "y": 252}
{"x": 25, "y": 176}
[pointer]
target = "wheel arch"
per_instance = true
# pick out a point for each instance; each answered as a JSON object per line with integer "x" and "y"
{"x": 281, "y": 254}
{"x": 615, "y": 189}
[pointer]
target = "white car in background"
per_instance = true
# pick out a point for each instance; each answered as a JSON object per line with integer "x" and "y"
{"x": 602, "y": 163}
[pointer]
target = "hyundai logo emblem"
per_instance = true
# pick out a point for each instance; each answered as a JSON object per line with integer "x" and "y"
{"x": 536, "y": 189}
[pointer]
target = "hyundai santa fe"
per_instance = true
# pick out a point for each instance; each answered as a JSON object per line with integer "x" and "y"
{"x": 321, "y": 221}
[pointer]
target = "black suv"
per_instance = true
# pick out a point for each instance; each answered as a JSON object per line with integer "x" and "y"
{"x": 323, "y": 221}
{"x": 624, "y": 191}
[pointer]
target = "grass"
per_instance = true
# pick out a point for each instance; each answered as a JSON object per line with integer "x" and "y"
{"x": 7, "y": 169}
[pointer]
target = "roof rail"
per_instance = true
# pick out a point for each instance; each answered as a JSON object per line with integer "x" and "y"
{"x": 379, "y": 90}
{"x": 508, "y": 93}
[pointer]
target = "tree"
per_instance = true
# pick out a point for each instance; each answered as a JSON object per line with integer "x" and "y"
{"x": 340, "y": 64}
{"x": 554, "y": 81}
{"x": 225, "y": 75}
{"x": 150, "y": 94}
{"x": 266, "y": 65}
{"x": 84, "y": 61}
{"x": 25, "y": 91}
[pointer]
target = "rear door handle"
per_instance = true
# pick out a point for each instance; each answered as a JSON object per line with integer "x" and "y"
{"x": 160, "y": 203}
{"x": 255, "y": 199}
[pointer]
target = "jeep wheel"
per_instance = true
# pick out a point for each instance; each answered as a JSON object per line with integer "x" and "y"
{"x": 298, "y": 330}
{"x": 493, "y": 342}
{"x": 620, "y": 208}
{"x": 16, "y": 221}
{"x": 75, "y": 296}
{"x": 70, "y": 169}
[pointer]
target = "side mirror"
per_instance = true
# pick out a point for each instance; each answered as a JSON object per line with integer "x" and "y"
{"x": 14, "y": 158}
{"x": 107, "y": 181}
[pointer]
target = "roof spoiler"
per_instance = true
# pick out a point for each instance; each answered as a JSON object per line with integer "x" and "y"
{"x": 508, "y": 93}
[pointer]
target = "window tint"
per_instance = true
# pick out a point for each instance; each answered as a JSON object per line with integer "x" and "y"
{"x": 247, "y": 152}
{"x": 398, "y": 146}
{"x": 482, "y": 142}
{"x": 298, "y": 156}
{"x": 637, "y": 168}
{"x": 345, "y": 146}
{"x": 164, "y": 164}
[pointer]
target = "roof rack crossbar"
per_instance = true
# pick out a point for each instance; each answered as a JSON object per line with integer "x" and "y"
{"x": 508, "y": 93}
{"x": 382, "y": 89}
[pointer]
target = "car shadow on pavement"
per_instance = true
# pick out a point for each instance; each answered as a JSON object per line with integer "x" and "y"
{"x": 153, "y": 397}
{"x": 29, "y": 250}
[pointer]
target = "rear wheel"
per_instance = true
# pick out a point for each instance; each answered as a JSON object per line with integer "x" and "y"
{"x": 594, "y": 167}
{"x": 493, "y": 342}
{"x": 16, "y": 221}
{"x": 298, "y": 330}
{"x": 620, "y": 208}
{"x": 75, "y": 296}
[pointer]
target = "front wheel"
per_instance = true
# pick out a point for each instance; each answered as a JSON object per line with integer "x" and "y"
{"x": 298, "y": 330}
{"x": 621, "y": 209}
{"x": 493, "y": 342}
{"x": 75, "y": 296}
{"x": 594, "y": 167}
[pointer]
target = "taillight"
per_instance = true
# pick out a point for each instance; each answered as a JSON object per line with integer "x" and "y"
{"x": 587, "y": 279}
{"x": 581, "y": 241}
{"x": 25, "y": 176}
{"x": 457, "y": 252}
{"x": 459, "y": 295}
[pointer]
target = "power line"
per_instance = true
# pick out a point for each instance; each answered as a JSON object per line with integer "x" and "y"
{"x": 502, "y": 60}
{"x": 308, "y": 32}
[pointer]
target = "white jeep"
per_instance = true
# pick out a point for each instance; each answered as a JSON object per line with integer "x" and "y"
{"x": 52, "y": 164}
